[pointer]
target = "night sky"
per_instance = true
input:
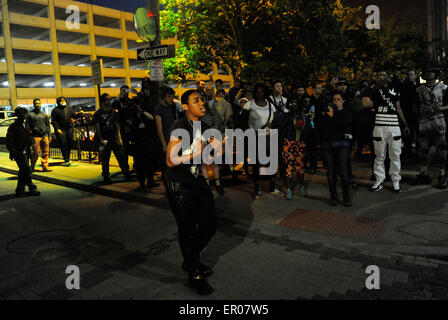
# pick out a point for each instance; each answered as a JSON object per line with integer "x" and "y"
{"x": 123, "y": 5}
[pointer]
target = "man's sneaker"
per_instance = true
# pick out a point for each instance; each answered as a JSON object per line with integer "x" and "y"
{"x": 67, "y": 163}
{"x": 199, "y": 283}
{"x": 276, "y": 191}
{"x": 220, "y": 189}
{"x": 288, "y": 194}
{"x": 377, "y": 186}
{"x": 442, "y": 181}
{"x": 353, "y": 185}
{"x": 34, "y": 192}
{"x": 396, "y": 184}
{"x": 422, "y": 179}
{"x": 257, "y": 193}
{"x": 45, "y": 169}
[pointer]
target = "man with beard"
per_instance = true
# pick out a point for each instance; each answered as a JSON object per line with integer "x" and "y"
{"x": 40, "y": 130}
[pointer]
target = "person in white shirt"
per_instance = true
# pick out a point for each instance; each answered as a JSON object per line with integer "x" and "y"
{"x": 260, "y": 114}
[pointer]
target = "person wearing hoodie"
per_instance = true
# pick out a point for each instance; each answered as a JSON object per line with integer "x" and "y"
{"x": 62, "y": 118}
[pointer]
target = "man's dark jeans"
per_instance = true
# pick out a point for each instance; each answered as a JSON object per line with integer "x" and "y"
{"x": 193, "y": 207}
{"x": 337, "y": 161}
{"x": 65, "y": 142}
{"x": 119, "y": 155}
{"x": 24, "y": 176}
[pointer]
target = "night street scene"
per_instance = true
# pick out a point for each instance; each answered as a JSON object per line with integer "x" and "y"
{"x": 231, "y": 151}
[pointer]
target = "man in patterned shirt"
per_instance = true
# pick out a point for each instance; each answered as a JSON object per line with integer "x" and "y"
{"x": 386, "y": 133}
{"x": 432, "y": 126}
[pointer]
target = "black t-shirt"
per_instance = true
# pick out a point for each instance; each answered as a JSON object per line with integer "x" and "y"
{"x": 384, "y": 100}
{"x": 169, "y": 115}
{"x": 185, "y": 173}
{"x": 107, "y": 121}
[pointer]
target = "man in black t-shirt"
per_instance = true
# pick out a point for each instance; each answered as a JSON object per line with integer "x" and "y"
{"x": 189, "y": 195}
{"x": 107, "y": 132}
{"x": 386, "y": 133}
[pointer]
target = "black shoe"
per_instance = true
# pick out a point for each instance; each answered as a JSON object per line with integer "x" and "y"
{"x": 153, "y": 184}
{"x": 107, "y": 180}
{"x": 34, "y": 192}
{"x": 442, "y": 182}
{"x": 334, "y": 201}
{"x": 353, "y": 186}
{"x": 220, "y": 189}
{"x": 204, "y": 270}
{"x": 46, "y": 170}
{"x": 422, "y": 179}
{"x": 20, "y": 192}
{"x": 347, "y": 203}
{"x": 199, "y": 283}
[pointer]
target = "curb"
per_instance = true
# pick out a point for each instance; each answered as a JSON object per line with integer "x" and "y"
{"x": 93, "y": 189}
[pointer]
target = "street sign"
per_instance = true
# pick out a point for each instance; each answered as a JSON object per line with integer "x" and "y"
{"x": 156, "y": 70}
{"x": 97, "y": 72}
{"x": 157, "y": 52}
{"x": 145, "y": 24}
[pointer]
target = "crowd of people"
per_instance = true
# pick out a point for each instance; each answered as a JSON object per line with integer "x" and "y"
{"x": 392, "y": 116}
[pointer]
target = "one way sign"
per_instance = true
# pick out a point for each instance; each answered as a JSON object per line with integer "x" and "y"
{"x": 157, "y": 52}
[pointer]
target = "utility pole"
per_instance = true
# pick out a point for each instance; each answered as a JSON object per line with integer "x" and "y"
{"x": 154, "y": 7}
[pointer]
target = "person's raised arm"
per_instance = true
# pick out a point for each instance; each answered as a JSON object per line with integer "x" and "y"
{"x": 173, "y": 158}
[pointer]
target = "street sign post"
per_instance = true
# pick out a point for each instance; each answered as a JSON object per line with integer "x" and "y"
{"x": 156, "y": 70}
{"x": 156, "y": 53}
{"x": 97, "y": 72}
{"x": 98, "y": 75}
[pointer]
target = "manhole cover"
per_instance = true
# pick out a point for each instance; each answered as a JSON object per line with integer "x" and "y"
{"x": 334, "y": 224}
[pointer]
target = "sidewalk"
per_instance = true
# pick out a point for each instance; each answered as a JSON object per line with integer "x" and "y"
{"x": 412, "y": 222}
{"x": 272, "y": 248}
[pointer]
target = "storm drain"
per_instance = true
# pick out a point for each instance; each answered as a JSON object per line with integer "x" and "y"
{"x": 334, "y": 223}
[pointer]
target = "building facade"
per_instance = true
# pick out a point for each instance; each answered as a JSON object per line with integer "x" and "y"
{"x": 41, "y": 55}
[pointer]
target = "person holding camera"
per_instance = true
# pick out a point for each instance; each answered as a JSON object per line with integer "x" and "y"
{"x": 18, "y": 143}
{"x": 335, "y": 141}
{"x": 387, "y": 132}
{"x": 108, "y": 134}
